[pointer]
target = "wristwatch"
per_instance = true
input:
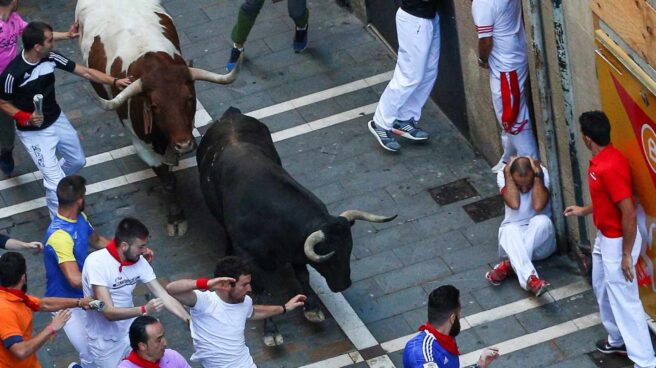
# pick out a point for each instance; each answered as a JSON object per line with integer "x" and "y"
{"x": 539, "y": 174}
{"x": 481, "y": 61}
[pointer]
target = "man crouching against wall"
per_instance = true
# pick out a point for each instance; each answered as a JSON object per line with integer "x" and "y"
{"x": 526, "y": 232}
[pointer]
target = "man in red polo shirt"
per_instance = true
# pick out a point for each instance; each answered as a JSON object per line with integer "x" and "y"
{"x": 617, "y": 246}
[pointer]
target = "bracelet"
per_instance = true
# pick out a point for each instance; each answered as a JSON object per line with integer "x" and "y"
{"x": 143, "y": 310}
{"x": 201, "y": 284}
{"x": 78, "y": 303}
{"x": 284, "y": 309}
{"x": 114, "y": 82}
{"x": 53, "y": 332}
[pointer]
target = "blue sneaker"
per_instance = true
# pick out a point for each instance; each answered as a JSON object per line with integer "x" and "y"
{"x": 408, "y": 129}
{"x": 235, "y": 53}
{"x": 300, "y": 39}
{"x": 74, "y": 365}
{"x": 7, "y": 162}
{"x": 384, "y": 137}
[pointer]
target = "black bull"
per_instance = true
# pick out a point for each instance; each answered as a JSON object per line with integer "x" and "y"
{"x": 267, "y": 217}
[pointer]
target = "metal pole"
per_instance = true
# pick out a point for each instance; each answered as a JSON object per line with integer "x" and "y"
{"x": 568, "y": 100}
{"x": 547, "y": 115}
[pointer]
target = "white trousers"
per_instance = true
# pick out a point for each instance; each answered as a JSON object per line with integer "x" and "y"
{"x": 108, "y": 353}
{"x": 415, "y": 72}
{"x": 44, "y": 146}
{"x": 620, "y": 307}
{"x": 76, "y": 332}
{"x": 522, "y": 144}
{"x": 524, "y": 243}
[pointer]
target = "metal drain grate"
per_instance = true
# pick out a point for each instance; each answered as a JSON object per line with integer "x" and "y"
{"x": 452, "y": 192}
{"x": 485, "y": 209}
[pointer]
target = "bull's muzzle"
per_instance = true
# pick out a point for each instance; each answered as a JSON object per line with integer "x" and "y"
{"x": 184, "y": 147}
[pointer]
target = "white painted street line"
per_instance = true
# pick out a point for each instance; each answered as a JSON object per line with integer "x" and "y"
{"x": 191, "y": 161}
{"x": 535, "y": 338}
{"x": 202, "y": 118}
{"x": 340, "y": 361}
{"x": 503, "y": 311}
{"x": 321, "y": 96}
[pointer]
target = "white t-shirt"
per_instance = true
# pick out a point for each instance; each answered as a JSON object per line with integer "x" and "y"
{"x": 502, "y": 20}
{"x": 217, "y": 329}
{"x": 101, "y": 269}
{"x": 525, "y": 212}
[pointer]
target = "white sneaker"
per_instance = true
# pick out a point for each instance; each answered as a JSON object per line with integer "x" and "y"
{"x": 498, "y": 167}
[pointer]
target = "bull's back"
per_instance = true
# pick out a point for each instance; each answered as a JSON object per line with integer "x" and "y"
{"x": 126, "y": 29}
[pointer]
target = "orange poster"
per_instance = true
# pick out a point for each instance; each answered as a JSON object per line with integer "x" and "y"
{"x": 628, "y": 98}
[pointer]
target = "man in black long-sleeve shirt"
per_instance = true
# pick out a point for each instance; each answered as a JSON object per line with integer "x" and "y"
{"x": 399, "y": 108}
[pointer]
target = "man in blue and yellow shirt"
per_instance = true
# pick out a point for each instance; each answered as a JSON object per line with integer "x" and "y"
{"x": 67, "y": 244}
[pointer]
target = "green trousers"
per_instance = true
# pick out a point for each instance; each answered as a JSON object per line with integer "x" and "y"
{"x": 250, "y": 9}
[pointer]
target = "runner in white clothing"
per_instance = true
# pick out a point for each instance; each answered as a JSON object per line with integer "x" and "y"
{"x": 111, "y": 274}
{"x": 526, "y": 232}
{"x": 502, "y": 49}
{"x": 219, "y": 310}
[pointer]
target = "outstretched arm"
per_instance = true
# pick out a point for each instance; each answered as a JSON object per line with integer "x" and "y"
{"x": 100, "y": 77}
{"x": 266, "y": 311}
{"x": 183, "y": 290}
{"x": 171, "y": 304}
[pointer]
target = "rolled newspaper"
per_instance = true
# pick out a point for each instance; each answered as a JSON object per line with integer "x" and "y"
{"x": 38, "y": 105}
{"x": 98, "y": 305}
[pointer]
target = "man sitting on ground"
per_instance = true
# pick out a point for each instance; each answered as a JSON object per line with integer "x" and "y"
{"x": 526, "y": 232}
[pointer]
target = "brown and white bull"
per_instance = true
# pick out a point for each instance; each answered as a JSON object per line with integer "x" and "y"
{"x": 138, "y": 39}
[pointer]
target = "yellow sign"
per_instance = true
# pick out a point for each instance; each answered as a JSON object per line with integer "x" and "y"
{"x": 627, "y": 97}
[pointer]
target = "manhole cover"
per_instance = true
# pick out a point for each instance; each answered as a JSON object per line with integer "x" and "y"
{"x": 452, "y": 192}
{"x": 485, "y": 209}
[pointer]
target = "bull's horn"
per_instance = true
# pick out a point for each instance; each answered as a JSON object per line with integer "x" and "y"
{"x": 204, "y": 75}
{"x": 353, "y": 215}
{"x": 130, "y": 91}
{"x": 311, "y": 241}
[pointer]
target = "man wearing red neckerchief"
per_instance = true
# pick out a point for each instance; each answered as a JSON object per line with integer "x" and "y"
{"x": 435, "y": 346}
{"x": 111, "y": 275}
{"x": 19, "y": 347}
{"x": 149, "y": 347}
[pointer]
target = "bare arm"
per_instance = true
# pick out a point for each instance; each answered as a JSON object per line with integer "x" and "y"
{"x": 170, "y": 303}
{"x": 100, "y": 77}
{"x": 111, "y": 312}
{"x": 8, "y": 108}
{"x": 183, "y": 290}
{"x": 485, "y": 45}
{"x": 57, "y": 304}
{"x": 540, "y": 194}
{"x": 578, "y": 210}
{"x": 72, "y": 32}
{"x": 15, "y": 244}
{"x": 22, "y": 350}
{"x": 629, "y": 228}
{"x": 98, "y": 241}
{"x": 266, "y": 311}
{"x": 72, "y": 273}
{"x": 510, "y": 192}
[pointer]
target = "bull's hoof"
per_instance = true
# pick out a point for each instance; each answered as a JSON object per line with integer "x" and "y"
{"x": 179, "y": 228}
{"x": 314, "y": 316}
{"x": 272, "y": 340}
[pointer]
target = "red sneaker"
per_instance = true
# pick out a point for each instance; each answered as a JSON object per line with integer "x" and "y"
{"x": 537, "y": 286}
{"x": 499, "y": 273}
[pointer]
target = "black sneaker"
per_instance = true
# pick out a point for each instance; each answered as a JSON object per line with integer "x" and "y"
{"x": 300, "y": 39}
{"x": 235, "y": 53}
{"x": 605, "y": 348}
{"x": 7, "y": 162}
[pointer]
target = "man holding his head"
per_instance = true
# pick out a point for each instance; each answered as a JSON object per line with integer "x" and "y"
{"x": 617, "y": 245}
{"x": 149, "y": 347}
{"x": 526, "y": 232}
{"x": 111, "y": 275}
{"x": 435, "y": 346}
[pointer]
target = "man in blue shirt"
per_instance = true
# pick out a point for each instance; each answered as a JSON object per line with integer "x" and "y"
{"x": 67, "y": 242}
{"x": 435, "y": 346}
